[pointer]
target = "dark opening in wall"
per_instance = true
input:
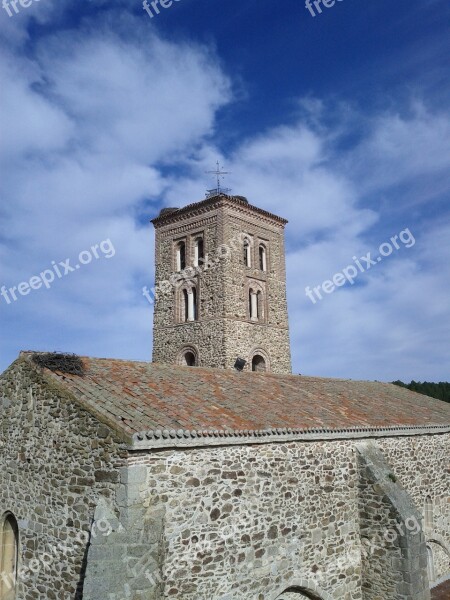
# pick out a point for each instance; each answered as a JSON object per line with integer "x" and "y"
{"x": 189, "y": 357}
{"x": 258, "y": 363}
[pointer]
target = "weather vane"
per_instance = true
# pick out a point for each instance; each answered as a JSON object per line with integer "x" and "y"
{"x": 219, "y": 174}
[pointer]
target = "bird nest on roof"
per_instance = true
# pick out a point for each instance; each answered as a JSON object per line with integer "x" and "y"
{"x": 59, "y": 361}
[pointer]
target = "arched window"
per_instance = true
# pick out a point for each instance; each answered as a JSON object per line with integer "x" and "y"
{"x": 262, "y": 258}
{"x": 247, "y": 253}
{"x": 198, "y": 252}
{"x": 181, "y": 256}
{"x": 188, "y": 357}
{"x": 258, "y": 363}
{"x": 9, "y": 557}
{"x": 428, "y": 512}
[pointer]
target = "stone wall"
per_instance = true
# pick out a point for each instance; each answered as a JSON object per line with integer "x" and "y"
{"x": 206, "y": 339}
{"x": 394, "y": 564}
{"x": 270, "y": 336}
{"x": 127, "y": 564}
{"x": 249, "y": 522}
{"x": 205, "y": 335}
{"x": 439, "y": 560}
{"x": 247, "y": 339}
{"x": 422, "y": 466}
{"x": 57, "y": 462}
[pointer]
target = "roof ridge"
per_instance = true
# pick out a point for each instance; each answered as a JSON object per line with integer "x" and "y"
{"x": 82, "y": 356}
{"x": 218, "y": 370}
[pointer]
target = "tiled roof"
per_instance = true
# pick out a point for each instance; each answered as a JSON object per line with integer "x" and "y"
{"x": 139, "y": 396}
{"x": 442, "y": 591}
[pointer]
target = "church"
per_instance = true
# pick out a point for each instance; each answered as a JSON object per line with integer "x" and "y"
{"x": 213, "y": 472}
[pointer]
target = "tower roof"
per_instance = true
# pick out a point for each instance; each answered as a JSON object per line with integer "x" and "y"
{"x": 168, "y": 215}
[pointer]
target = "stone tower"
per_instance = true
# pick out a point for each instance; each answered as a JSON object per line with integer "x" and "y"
{"x": 221, "y": 286}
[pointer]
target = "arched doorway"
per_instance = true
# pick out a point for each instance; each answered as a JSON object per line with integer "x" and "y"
{"x": 9, "y": 551}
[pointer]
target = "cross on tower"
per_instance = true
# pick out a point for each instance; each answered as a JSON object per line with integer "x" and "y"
{"x": 218, "y": 190}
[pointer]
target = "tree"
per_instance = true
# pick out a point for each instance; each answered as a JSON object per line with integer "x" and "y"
{"x": 440, "y": 390}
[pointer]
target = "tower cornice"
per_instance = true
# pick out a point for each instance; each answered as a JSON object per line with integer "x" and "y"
{"x": 215, "y": 202}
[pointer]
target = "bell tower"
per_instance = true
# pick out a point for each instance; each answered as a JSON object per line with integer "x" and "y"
{"x": 220, "y": 288}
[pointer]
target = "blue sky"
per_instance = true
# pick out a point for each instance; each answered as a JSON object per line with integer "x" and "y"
{"x": 338, "y": 122}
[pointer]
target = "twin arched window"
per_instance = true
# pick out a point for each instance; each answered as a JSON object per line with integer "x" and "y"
{"x": 9, "y": 557}
{"x": 262, "y": 255}
{"x": 180, "y": 254}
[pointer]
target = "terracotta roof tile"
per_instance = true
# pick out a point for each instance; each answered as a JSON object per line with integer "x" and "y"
{"x": 441, "y": 592}
{"x": 150, "y": 395}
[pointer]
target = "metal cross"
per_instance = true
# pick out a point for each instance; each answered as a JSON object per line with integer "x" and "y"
{"x": 218, "y": 173}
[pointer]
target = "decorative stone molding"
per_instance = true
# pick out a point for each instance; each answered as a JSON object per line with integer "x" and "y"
{"x": 199, "y": 208}
{"x": 180, "y": 438}
{"x": 187, "y": 228}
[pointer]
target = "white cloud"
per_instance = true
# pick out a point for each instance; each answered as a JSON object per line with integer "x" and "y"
{"x": 403, "y": 150}
{"x": 84, "y": 124}
{"x": 91, "y": 122}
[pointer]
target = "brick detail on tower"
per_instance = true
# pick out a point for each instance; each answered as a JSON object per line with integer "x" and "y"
{"x": 221, "y": 286}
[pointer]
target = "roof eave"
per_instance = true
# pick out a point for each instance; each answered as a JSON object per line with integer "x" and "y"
{"x": 57, "y": 382}
{"x": 156, "y": 439}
